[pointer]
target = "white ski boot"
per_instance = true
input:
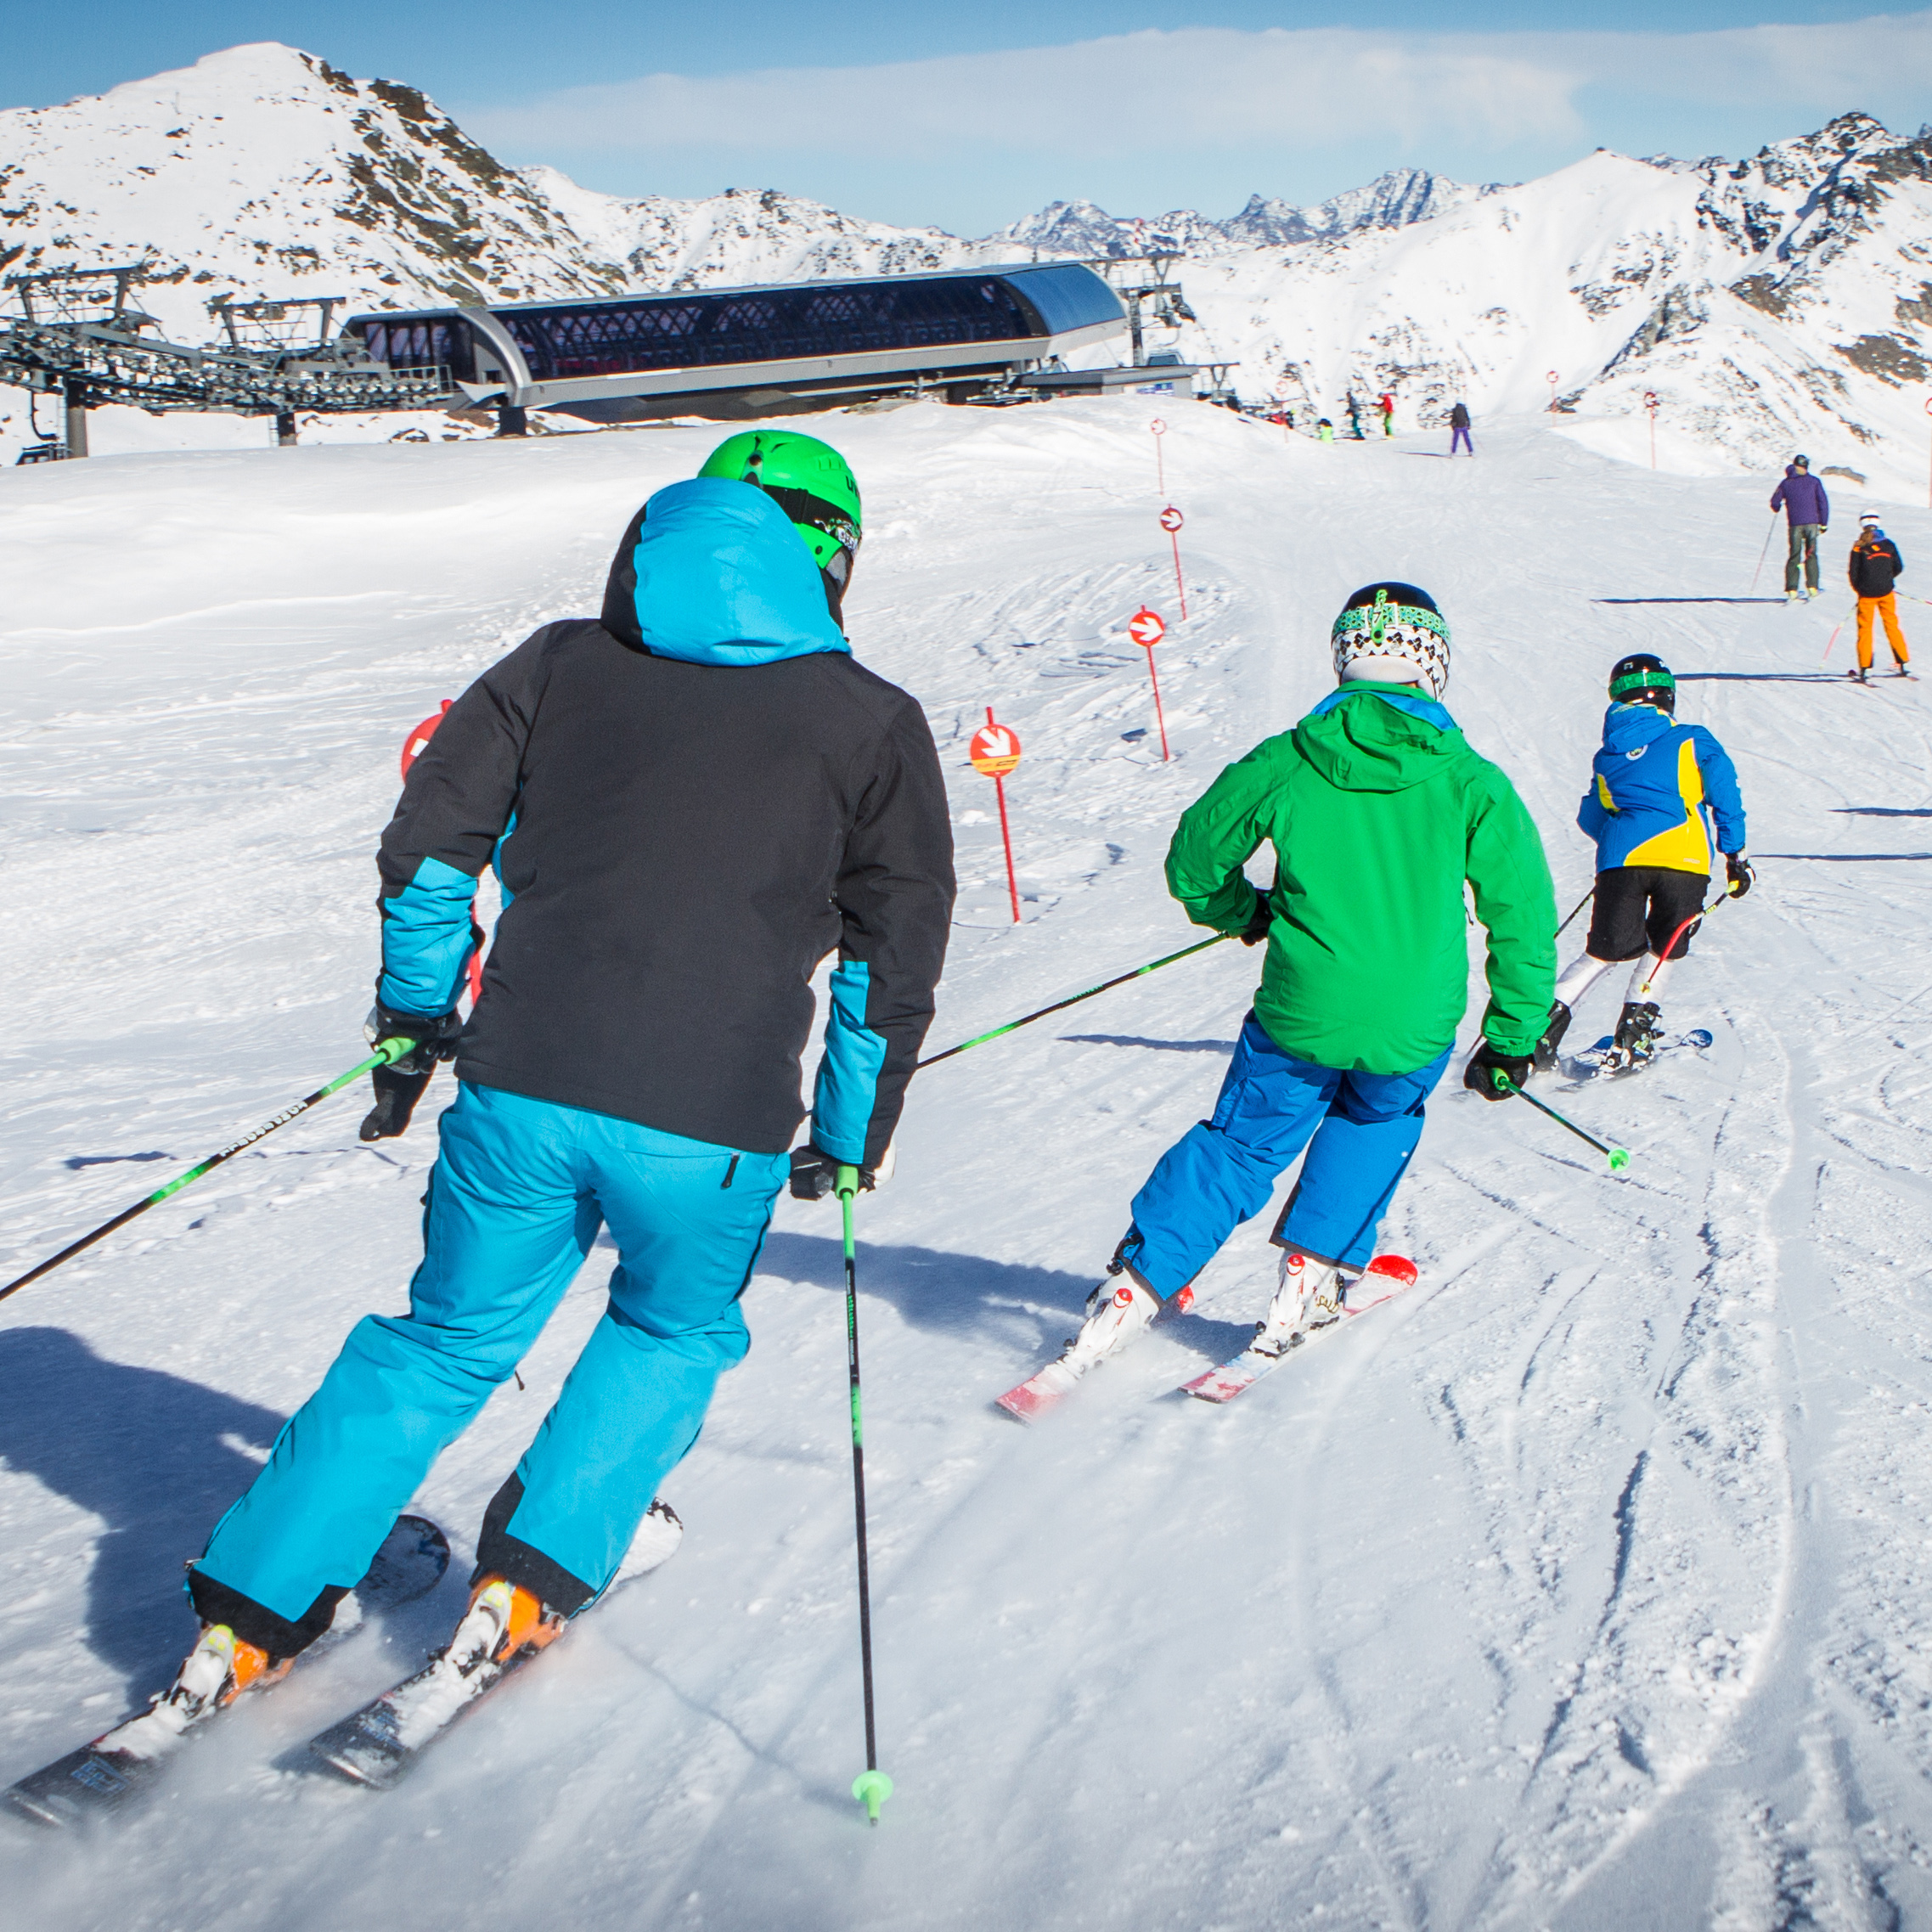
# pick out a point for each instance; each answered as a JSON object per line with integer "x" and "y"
{"x": 1118, "y": 1311}
{"x": 1310, "y": 1296}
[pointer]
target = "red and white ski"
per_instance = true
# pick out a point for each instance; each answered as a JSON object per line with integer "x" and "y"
{"x": 1384, "y": 1278}
{"x": 1062, "y": 1374}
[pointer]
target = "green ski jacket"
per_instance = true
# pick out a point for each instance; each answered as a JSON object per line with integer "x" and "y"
{"x": 1379, "y": 811}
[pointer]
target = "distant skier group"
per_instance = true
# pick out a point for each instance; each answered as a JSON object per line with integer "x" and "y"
{"x": 691, "y": 800}
{"x": 1874, "y": 568}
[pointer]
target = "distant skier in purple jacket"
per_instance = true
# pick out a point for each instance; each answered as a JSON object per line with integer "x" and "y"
{"x": 1808, "y": 510}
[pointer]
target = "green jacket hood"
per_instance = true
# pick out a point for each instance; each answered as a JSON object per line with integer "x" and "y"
{"x": 1370, "y": 737}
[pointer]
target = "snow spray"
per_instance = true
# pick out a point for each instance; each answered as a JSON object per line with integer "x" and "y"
{"x": 872, "y": 1787}
{"x": 385, "y": 1055}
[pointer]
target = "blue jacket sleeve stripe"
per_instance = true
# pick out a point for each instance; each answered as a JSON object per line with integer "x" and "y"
{"x": 1720, "y": 790}
{"x": 848, "y": 1085}
{"x": 426, "y": 940}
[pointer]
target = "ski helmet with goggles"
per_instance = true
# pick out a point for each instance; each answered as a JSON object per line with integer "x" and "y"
{"x": 1643, "y": 680}
{"x": 1391, "y": 634}
{"x": 811, "y": 483}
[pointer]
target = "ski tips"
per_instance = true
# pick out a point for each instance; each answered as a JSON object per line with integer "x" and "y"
{"x": 872, "y": 1788}
{"x": 1620, "y": 1159}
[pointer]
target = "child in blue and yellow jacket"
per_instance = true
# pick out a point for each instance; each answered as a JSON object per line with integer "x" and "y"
{"x": 1663, "y": 799}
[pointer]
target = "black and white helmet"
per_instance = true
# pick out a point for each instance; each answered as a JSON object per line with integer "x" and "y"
{"x": 1391, "y": 634}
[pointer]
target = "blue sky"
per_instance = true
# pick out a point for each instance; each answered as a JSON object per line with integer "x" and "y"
{"x": 969, "y": 117}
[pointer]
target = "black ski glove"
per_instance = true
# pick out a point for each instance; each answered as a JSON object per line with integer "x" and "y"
{"x": 814, "y": 1175}
{"x": 1485, "y": 1063}
{"x": 399, "y": 1085}
{"x": 1262, "y": 917}
{"x": 1737, "y": 871}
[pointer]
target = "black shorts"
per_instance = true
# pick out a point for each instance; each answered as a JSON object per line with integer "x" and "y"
{"x": 1639, "y": 907}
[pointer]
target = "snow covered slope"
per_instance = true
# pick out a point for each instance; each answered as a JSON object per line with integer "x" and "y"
{"x": 1585, "y": 1589}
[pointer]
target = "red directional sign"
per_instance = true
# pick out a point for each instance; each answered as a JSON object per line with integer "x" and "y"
{"x": 994, "y": 750}
{"x": 1171, "y": 520}
{"x": 417, "y": 741}
{"x": 1146, "y": 628}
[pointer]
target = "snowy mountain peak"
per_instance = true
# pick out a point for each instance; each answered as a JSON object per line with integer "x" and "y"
{"x": 264, "y": 169}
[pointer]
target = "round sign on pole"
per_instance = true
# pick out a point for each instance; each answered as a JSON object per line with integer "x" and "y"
{"x": 417, "y": 742}
{"x": 1158, "y": 427}
{"x": 1650, "y": 400}
{"x": 994, "y": 750}
{"x": 1146, "y": 628}
{"x": 1171, "y": 520}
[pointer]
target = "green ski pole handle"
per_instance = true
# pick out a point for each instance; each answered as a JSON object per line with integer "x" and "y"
{"x": 387, "y": 1052}
{"x": 1059, "y": 1005}
{"x": 1618, "y": 1157}
{"x": 872, "y": 1787}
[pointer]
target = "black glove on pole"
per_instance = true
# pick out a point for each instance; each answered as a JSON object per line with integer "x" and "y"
{"x": 1739, "y": 874}
{"x": 400, "y": 1085}
{"x": 814, "y": 1175}
{"x": 1485, "y": 1064}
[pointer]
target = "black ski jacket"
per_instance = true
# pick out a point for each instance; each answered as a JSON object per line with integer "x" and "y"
{"x": 1872, "y": 569}
{"x": 690, "y": 802}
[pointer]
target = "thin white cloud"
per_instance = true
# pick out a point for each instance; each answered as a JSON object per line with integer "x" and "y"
{"x": 1225, "y": 88}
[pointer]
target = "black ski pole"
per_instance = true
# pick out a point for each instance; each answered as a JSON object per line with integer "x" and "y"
{"x": 1618, "y": 1157}
{"x": 872, "y": 1787}
{"x": 1058, "y": 1006}
{"x": 1578, "y": 908}
{"x": 389, "y": 1051}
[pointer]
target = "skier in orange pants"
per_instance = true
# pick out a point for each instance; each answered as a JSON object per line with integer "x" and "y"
{"x": 1873, "y": 566}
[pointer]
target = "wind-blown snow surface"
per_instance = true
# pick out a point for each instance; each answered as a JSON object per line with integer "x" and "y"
{"x": 1587, "y": 1587}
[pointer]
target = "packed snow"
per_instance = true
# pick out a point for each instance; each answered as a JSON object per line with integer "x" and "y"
{"x": 1586, "y": 1586}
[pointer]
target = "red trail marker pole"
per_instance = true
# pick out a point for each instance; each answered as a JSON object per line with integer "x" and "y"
{"x": 1156, "y": 429}
{"x": 1171, "y": 522}
{"x": 1929, "y": 412}
{"x": 1650, "y": 404}
{"x": 995, "y": 751}
{"x": 1146, "y": 628}
{"x": 1550, "y": 378}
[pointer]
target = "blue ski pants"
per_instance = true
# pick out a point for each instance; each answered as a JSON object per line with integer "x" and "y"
{"x": 516, "y": 1199}
{"x": 1360, "y": 1130}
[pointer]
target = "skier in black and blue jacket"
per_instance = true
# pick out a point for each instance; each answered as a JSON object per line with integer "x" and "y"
{"x": 691, "y": 800}
{"x": 1662, "y": 795}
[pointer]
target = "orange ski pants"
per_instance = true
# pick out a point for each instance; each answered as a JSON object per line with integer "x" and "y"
{"x": 1887, "y": 608}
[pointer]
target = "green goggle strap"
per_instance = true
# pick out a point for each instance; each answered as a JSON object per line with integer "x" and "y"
{"x": 1642, "y": 681}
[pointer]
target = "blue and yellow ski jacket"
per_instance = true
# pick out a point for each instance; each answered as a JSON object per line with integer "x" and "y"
{"x": 1657, "y": 787}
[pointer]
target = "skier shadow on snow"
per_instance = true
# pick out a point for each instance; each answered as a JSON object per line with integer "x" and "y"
{"x": 966, "y": 1293}
{"x": 1759, "y": 677}
{"x": 1883, "y": 811}
{"x": 155, "y": 1457}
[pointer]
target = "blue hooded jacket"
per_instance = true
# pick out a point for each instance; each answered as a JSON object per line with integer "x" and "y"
{"x": 1802, "y": 497}
{"x": 1658, "y": 786}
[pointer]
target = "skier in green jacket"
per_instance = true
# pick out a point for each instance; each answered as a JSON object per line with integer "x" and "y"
{"x": 1378, "y": 812}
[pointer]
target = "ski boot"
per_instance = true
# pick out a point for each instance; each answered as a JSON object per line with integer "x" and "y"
{"x": 1860, "y": 673}
{"x": 1792, "y": 597}
{"x": 1310, "y": 1296}
{"x": 1814, "y": 592}
{"x": 215, "y": 1673}
{"x": 504, "y": 1618}
{"x": 1636, "y": 1039}
{"x": 1544, "y": 1057}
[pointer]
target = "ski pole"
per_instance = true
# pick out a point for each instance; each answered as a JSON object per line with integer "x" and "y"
{"x": 1832, "y": 639}
{"x": 1703, "y": 912}
{"x": 1579, "y": 907}
{"x": 1119, "y": 979}
{"x": 1618, "y": 1157}
{"x": 389, "y": 1051}
{"x": 872, "y": 1787}
{"x": 1764, "y": 553}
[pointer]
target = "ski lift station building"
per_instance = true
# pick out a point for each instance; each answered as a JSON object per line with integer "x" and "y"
{"x": 759, "y": 352}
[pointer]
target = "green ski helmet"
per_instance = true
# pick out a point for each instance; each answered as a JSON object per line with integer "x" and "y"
{"x": 810, "y": 481}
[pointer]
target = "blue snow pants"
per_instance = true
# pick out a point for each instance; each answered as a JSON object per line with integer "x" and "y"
{"x": 516, "y": 1199}
{"x": 1360, "y": 1130}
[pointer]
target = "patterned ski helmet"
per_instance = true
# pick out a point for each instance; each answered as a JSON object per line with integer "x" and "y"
{"x": 1391, "y": 634}
{"x": 810, "y": 481}
{"x": 1643, "y": 680}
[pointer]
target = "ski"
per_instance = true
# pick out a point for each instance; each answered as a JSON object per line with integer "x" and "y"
{"x": 1052, "y": 1384}
{"x": 376, "y": 1745}
{"x": 1601, "y": 1060}
{"x": 103, "y": 1776}
{"x": 1384, "y": 1278}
